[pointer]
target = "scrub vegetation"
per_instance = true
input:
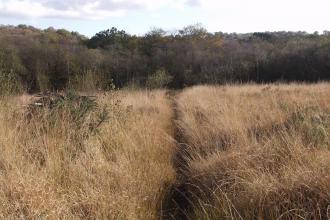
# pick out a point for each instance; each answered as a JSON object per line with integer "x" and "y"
{"x": 34, "y": 60}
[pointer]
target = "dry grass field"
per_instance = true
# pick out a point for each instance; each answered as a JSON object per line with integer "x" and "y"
{"x": 207, "y": 152}
{"x": 52, "y": 170}
{"x": 256, "y": 152}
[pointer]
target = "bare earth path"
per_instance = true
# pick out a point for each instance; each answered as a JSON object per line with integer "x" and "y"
{"x": 176, "y": 201}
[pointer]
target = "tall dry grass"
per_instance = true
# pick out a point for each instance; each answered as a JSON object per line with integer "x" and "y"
{"x": 255, "y": 152}
{"x": 242, "y": 152}
{"x": 53, "y": 170}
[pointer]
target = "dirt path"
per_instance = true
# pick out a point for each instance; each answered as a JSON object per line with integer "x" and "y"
{"x": 176, "y": 203}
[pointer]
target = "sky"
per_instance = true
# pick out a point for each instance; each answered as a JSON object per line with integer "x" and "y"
{"x": 139, "y": 16}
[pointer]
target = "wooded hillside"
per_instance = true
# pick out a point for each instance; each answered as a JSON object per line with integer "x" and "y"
{"x": 35, "y": 60}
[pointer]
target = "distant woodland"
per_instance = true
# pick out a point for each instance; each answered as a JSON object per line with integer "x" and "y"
{"x": 34, "y": 60}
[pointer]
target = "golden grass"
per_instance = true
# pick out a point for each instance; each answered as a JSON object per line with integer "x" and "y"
{"x": 241, "y": 152}
{"x": 118, "y": 174}
{"x": 256, "y": 152}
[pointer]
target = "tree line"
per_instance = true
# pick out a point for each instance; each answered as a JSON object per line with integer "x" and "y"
{"x": 34, "y": 60}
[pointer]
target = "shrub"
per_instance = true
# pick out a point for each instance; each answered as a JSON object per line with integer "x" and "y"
{"x": 159, "y": 79}
{"x": 9, "y": 83}
{"x": 81, "y": 114}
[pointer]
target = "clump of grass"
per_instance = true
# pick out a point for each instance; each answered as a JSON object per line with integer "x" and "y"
{"x": 313, "y": 124}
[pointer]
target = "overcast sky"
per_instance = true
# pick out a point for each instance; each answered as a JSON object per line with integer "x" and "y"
{"x": 138, "y": 16}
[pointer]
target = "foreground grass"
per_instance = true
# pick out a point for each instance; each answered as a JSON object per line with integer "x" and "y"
{"x": 229, "y": 152}
{"x": 255, "y": 152}
{"x": 52, "y": 170}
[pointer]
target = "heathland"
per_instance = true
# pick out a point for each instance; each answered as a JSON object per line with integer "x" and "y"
{"x": 207, "y": 152}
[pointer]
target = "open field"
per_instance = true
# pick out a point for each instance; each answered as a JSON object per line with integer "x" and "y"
{"x": 207, "y": 152}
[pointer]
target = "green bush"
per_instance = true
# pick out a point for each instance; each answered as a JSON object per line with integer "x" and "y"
{"x": 9, "y": 83}
{"x": 82, "y": 115}
{"x": 159, "y": 79}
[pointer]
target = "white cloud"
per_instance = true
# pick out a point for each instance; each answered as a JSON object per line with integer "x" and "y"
{"x": 225, "y": 15}
{"x": 87, "y": 9}
{"x": 262, "y": 15}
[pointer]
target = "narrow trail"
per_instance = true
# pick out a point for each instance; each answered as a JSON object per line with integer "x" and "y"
{"x": 176, "y": 203}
